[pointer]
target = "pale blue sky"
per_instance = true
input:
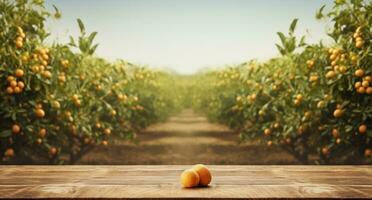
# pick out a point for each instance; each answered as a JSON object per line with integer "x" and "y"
{"x": 187, "y": 35}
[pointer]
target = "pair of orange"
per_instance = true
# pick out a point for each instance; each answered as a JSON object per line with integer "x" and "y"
{"x": 198, "y": 175}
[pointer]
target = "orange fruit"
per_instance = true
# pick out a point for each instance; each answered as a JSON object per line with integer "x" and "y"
{"x": 19, "y": 39}
{"x": 47, "y": 74}
{"x": 330, "y": 74}
{"x": 367, "y": 152}
{"x": 267, "y": 132}
{"x": 42, "y": 68}
{"x": 338, "y": 140}
{"x": 359, "y": 44}
{"x": 39, "y": 141}
{"x": 42, "y": 132}
{"x": 62, "y": 78}
{"x": 342, "y": 69}
{"x": 39, "y": 112}
{"x": 358, "y": 85}
{"x": 358, "y": 39}
{"x": 297, "y": 102}
{"x": 75, "y": 97}
{"x": 253, "y": 97}
{"x": 17, "y": 90}
{"x": 68, "y": 113}
{"x": 56, "y": 104}
{"x": 40, "y": 51}
{"x": 105, "y": 143}
{"x": 310, "y": 63}
{"x": 369, "y": 90}
{"x": 13, "y": 83}
{"x": 98, "y": 125}
{"x": 19, "y": 73}
{"x": 325, "y": 151}
{"x": 9, "y": 152}
{"x": 205, "y": 176}
{"x": 332, "y": 57}
{"x": 44, "y": 63}
{"x": 45, "y": 57}
{"x": 368, "y": 78}
{"x": 9, "y": 90}
{"x": 361, "y": 90}
{"x": 65, "y": 63}
{"x": 335, "y": 133}
{"x": 362, "y": 129}
{"x": 10, "y": 78}
{"x": 359, "y": 73}
{"x": 336, "y": 51}
{"x": 189, "y": 178}
{"x": 35, "y": 68}
{"x": 21, "y": 84}
{"x": 333, "y": 63}
{"x": 53, "y": 151}
{"x": 337, "y": 113}
{"x": 107, "y": 131}
{"x": 276, "y": 125}
{"x": 313, "y": 78}
{"x": 19, "y": 44}
{"x": 16, "y": 129}
{"x": 261, "y": 113}
{"x": 365, "y": 83}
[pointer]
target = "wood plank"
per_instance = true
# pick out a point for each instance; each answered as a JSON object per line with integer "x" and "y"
{"x": 162, "y": 181}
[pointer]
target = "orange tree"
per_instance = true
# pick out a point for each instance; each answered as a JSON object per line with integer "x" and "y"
{"x": 58, "y": 102}
{"x": 312, "y": 99}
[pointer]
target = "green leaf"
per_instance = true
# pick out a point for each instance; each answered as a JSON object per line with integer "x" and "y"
{"x": 72, "y": 42}
{"x": 5, "y": 133}
{"x": 302, "y": 42}
{"x": 92, "y": 36}
{"x": 281, "y": 50}
{"x": 282, "y": 38}
{"x": 369, "y": 133}
{"x": 14, "y": 116}
{"x": 81, "y": 26}
{"x": 319, "y": 13}
{"x": 293, "y": 25}
{"x": 58, "y": 13}
{"x": 93, "y": 49}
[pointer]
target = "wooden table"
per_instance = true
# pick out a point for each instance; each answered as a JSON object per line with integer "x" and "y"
{"x": 162, "y": 181}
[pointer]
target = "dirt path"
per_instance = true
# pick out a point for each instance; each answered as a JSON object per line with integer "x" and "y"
{"x": 187, "y": 138}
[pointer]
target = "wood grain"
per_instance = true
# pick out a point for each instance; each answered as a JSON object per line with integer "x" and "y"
{"x": 162, "y": 181}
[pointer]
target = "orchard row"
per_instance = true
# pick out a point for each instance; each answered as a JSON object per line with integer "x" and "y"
{"x": 313, "y": 99}
{"x": 59, "y": 101}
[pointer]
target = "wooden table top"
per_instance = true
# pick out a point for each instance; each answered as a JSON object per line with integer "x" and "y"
{"x": 162, "y": 181}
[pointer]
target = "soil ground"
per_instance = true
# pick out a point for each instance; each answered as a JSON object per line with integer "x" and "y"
{"x": 187, "y": 138}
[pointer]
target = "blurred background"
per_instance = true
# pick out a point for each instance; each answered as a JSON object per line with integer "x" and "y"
{"x": 184, "y": 82}
{"x": 189, "y": 36}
